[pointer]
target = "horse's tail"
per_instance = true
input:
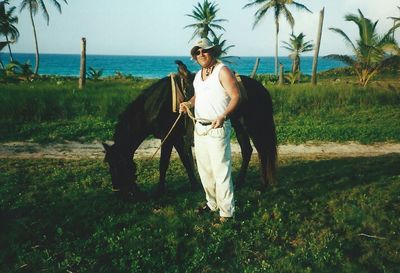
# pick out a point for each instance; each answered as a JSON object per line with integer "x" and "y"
{"x": 261, "y": 126}
{"x": 271, "y": 165}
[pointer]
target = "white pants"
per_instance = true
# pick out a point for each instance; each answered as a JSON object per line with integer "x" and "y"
{"x": 213, "y": 156}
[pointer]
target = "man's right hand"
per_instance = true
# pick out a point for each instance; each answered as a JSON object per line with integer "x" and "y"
{"x": 184, "y": 106}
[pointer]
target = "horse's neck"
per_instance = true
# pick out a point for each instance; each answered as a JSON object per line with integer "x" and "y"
{"x": 130, "y": 132}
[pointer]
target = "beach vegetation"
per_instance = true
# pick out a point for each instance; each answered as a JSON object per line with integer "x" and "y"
{"x": 15, "y": 71}
{"x": 46, "y": 111}
{"x": 126, "y": 77}
{"x": 279, "y": 8}
{"x": 297, "y": 46}
{"x": 372, "y": 52}
{"x": 8, "y": 23}
{"x": 293, "y": 77}
{"x": 95, "y": 74}
{"x": 33, "y": 6}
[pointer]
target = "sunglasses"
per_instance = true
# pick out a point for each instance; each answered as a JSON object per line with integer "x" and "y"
{"x": 204, "y": 51}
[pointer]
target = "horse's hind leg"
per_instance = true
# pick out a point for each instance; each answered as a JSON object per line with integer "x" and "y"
{"x": 262, "y": 149}
{"x": 165, "y": 157}
{"x": 246, "y": 149}
{"x": 184, "y": 150}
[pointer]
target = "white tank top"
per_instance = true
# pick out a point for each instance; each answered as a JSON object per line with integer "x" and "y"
{"x": 211, "y": 97}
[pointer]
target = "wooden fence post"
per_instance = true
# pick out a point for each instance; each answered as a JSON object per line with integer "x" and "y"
{"x": 317, "y": 46}
{"x": 82, "y": 76}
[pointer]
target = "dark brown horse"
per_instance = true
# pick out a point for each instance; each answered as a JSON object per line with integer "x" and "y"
{"x": 151, "y": 114}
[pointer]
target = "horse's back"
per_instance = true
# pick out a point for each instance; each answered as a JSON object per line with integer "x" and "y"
{"x": 256, "y": 108}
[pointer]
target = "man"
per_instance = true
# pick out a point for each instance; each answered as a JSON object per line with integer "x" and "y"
{"x": 216, "y": 97}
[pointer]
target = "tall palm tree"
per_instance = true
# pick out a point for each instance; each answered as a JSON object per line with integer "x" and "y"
{"x": 279, "y": 7}
{"x": 7, "y": 27}
{"x": 205, "y": 17}
{"x": 370, "y": 50}
{"x": 33, "y": 6}
{"x": 296, "y": 46}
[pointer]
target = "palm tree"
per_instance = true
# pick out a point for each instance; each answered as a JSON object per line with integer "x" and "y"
{"x": 205, "y": 17}
{"x": 33, "y": 6}
{"x": 296, "y": 46}
{"x": 370, "y": 50}
{"x": 279, "y": 7}
{"x": 7, "y": 21}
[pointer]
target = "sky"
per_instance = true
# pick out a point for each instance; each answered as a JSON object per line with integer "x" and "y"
{"x": 156, "y": 27}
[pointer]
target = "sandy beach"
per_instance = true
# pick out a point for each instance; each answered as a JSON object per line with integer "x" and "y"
{"x": 75, "y": 150}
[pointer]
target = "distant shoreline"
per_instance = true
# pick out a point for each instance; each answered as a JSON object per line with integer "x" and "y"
{"x": 155, "y": 66}
{"x": 4, "y": 52}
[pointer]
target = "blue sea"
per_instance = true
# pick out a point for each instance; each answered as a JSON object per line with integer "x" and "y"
{"x": 154, "y": 66}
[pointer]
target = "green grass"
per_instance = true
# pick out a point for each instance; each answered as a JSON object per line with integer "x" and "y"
{"x": 49, "y": 101}
{"x": 82, "y": 129}
{"x": 61, "y": 216}
{"x": 54, "y": 111}
{"x": 376, "y": 124}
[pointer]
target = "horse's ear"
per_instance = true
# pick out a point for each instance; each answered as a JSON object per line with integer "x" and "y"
{"x": 182, "y": 69}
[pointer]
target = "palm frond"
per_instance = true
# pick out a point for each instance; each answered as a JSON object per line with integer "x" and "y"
{"x": 300, "y": 6}
{"x": 344, "y": 35}
{"x": 45, "y": 13}
{"x": 288, "y": 16}
{"x": 260, "y": 13}
{"x": 342, "y": 58}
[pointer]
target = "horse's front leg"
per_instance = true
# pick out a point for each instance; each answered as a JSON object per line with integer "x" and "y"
{"x": 184, "y": 149}
{"x": 166, "y": 150}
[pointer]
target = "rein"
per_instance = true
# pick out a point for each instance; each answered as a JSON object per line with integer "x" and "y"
{"x": 194, "y": 119}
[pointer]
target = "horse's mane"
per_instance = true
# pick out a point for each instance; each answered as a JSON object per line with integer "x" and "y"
{"x": 133, "y": 121}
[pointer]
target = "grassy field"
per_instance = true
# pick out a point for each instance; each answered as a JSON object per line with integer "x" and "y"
{"x": 333, "y": 215}
{"x": 327, "y": 215}
{"x": 53, "y": 111}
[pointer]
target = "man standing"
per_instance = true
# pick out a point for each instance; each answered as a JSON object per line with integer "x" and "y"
{"x": 216, "y": 97}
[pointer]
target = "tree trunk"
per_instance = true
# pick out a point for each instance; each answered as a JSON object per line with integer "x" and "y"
{"x": 9, "y": 48}
{"x": 254, "y": 72}
{"x": 35, "y": 72}
{"x": 298, "y": 70}
{"x": 276, "y": 47}
{"x": 82, "y": 76}
{"x": 280, "y": 74}
{"x": 317, "y": 46}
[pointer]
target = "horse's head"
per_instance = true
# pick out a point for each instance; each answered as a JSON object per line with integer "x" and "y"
{"x": 122, "y": 169}
{"x": 187, "y": 79}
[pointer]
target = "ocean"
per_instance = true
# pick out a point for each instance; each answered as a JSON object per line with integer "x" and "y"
{"x": 154, "y": 66}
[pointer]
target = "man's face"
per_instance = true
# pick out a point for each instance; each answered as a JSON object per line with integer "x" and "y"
{"x": 204, "y": 57}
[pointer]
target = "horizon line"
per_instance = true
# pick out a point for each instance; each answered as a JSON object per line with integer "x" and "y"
{"x": 147, "y": 55}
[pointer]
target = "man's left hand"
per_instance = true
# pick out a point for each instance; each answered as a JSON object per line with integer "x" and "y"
{"x": 218, "y": 122}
